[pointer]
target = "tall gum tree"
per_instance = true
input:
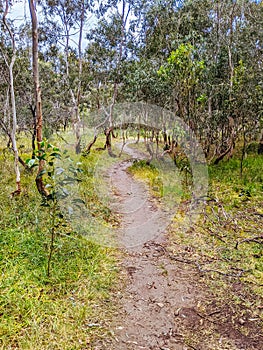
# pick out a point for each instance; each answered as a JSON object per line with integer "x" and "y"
{"x": 107, "y": 47}
{"x": 11, "y": 92}
{"x": 38, "y": 101}
{"x": 72, "y": 16}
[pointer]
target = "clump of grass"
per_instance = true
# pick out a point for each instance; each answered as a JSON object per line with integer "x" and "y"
{"x": 143, "y": 170}
{"x": 94, "y": 188}
{"x": 36, "y": 311}
{"x": 164, "y": 179}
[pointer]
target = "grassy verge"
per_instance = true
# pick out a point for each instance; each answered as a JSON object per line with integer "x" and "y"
{"x": 228, "y": 236}
{"x": 71, "y": 308}
{"x": 166, "y": 182}
{"x": 225, "y": 247}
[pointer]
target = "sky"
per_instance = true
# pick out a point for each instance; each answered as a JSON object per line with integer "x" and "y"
{"x": 20, "y": 13}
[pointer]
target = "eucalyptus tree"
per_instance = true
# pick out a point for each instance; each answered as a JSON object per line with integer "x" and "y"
{"x": 38, "y": 99}
{"x": 109, "y": 49}
{"x": 9, "y": 56}
{"x": 184, "y": 71}
{"x": 65, "y": 22}
{"x": 232, "y": 43}
{"x": 224, "y": 34}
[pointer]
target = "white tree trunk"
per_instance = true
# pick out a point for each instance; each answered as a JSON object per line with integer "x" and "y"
{"x": 13, "y": 101}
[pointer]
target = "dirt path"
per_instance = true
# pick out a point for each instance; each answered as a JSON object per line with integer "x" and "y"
{"x": 142, "y": 217}
{"x": 154, "y": 297}
{"x": 161, "y": 296}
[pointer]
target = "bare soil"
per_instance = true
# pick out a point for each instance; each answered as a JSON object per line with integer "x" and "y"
{"x": 163, "y": 303}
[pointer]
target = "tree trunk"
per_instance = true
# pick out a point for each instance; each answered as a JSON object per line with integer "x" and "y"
{"x": 34, "y": 133}
{"x": 260, "y": 145}
{"x": 39, "y": 118}
{"x": 124, "y": 18}
{"x": 13, "y": 102}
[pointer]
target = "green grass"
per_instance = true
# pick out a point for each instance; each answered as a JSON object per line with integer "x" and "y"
{"x": 233, "y": 188}
{"x": 231, "y": 278}
{"x": 233, "y": 213}
{"x": 71, "y": 308}
{"x": 149, "y": 173}
{"x": 52, "y": 313}
{"x": 165, "y": 182}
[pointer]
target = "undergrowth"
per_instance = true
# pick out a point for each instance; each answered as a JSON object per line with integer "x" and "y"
{"x": 225, "y": 244}
{"x": 69, "y": 309}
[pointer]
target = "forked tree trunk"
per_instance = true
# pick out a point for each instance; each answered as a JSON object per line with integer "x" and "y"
{"x": 39, "y": 118}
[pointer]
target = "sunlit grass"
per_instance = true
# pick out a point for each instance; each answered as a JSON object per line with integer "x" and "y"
{"x": 165, "y": 182}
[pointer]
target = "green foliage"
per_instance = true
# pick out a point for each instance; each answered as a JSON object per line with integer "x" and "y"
{"x": 182, "y": 64}
{"x": 56, "y": 179}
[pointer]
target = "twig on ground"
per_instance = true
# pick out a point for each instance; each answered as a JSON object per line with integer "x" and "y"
{"x": 255, "y": 239}
{"x": 202, "y": 271}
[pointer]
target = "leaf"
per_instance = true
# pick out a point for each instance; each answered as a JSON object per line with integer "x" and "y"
{"x": 41, "y": 173}
{"x": 55, "y": 155}
{"x": 31, "y": 162}
{"x": 59, "y": 171}
{"x": 69, "y": 179}
{"x": 78, "y": 200}
{"x": 43, "y": 157}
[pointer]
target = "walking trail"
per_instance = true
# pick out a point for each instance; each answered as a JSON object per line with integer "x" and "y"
{"x": 161, "y": 296}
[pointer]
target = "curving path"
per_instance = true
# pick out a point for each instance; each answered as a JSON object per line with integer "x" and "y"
{"x": 156, "y": 289}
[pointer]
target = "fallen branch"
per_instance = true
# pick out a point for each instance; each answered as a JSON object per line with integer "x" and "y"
{"x": 222, "y": 155}
{"x": 202, "y": 271}
{"x": 255, "y": 239}
{"x": 192, "y": 347}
